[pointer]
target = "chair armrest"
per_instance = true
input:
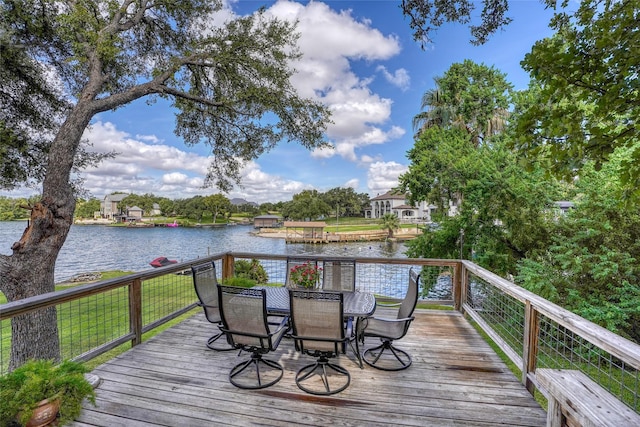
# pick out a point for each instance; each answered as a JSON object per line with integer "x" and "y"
{"x": 386, "y": 319}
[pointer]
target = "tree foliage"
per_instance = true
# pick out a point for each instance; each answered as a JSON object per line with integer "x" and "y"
{"x": 144, "y": 202}
{"x": 591, "y": 266}
{"x": 217, "y": 204}
{"x": 346, "y": 202}
{"x": 503, "y": 209}
{"x": 306, "y": 205}
{"x": 585, "y": 101}
{"x": 230, "y": 85}
{"x": 470, "y": 96}
{"x": 87, "y": 208}
{"x": 428, "y": 15}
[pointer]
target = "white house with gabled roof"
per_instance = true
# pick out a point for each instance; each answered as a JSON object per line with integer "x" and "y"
{"x": 398, "y": 204}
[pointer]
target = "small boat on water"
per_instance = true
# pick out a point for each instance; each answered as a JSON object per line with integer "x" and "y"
{"x": 174, "y": 224}
{"x": 162, "y": 261}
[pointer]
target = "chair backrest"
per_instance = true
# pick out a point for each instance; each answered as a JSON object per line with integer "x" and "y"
{"x": 293, "y": 262}
{"x": 317, "y": 321}
{"x": 411, "y": 298}
{"x": 339, "y": 275}
{"x": 205, "y": 283}
{"x": 244, "y": 316}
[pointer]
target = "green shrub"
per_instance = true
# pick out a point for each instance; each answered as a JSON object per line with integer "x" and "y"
{"x": 22, "y": 389}
{"x": 241, "y": 282}
{"x": 251, "y": 270}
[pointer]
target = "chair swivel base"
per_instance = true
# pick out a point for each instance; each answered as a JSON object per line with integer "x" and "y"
{"x": 255, "y": 380}
{"x": 322, "y": 368}
{"x": 213, "y": 339}
{"x": 395, "y": 360}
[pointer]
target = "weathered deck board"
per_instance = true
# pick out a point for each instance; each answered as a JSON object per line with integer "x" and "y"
{"x": 174, "y": 380}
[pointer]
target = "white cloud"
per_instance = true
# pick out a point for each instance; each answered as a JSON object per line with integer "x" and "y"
{"x": 400, "y": 78}
{"x": 325, "y": 73}
{"x": 352, "y": 183}
{"x": 383, "y": 176}
{"x": 168, "y": 171}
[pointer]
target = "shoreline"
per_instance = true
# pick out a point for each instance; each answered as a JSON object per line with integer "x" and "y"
{"x": 279, "y": 234}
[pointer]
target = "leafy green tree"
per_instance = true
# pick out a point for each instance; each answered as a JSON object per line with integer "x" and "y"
{"x": 87, "y": 208}
{"x": 13, "y": 208}
{"x": 469, "y": 96}
{"x": 217, "y": 204}
{"x": 503, "y": 216}
{"x": 267, "y": 207}
{"x": 345, "y": 201}
{"x": 192, "y": 208}
{"x": 167, "y": 206}
{"x": 437, "y": 110}
{"x": 307, "y": 204}
{"x": 230, "y": 85}
{"x": 425, "y": 16}
{"x": 29, "y": 108}
{"x": 586, "y": 100}
{"x": 591, "y": 266}
{"x": 144, "y": 202}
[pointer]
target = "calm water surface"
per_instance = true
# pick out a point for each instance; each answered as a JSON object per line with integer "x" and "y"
{"x": 98, "y": 248}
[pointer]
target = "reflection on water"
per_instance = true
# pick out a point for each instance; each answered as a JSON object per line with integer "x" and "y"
{"x": 97, "y": 248}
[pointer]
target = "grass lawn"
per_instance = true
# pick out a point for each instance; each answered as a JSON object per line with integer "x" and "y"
{"x": 97, "y": 319}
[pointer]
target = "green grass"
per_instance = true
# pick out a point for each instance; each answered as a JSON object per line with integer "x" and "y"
{"x": 94, "y": 320}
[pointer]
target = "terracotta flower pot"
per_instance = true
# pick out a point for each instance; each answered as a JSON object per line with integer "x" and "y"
{"x": 44, "y": 414}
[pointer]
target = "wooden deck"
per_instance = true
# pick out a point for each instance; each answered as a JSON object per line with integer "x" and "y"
{"x": 174, "y": 380}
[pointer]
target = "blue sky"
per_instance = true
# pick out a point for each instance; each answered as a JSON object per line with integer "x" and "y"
{"x": 361, "y": 56}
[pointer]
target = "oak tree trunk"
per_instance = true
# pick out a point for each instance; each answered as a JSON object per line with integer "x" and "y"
{"x": 29, "y": 271}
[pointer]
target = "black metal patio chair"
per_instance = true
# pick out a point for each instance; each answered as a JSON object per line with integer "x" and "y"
{"x": 245, "y": 322}
{"x": 386, "y": 356}
{"x": 318, "y": 330}
{"x": 205, "y": 283}
{"x": 339, "y": 275}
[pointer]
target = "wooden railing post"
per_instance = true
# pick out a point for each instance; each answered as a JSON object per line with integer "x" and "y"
{"x": 530, "y": 344}
{"x": 460, "y": 286}
{"x": 135, "y": 311}
{"x": 228, "y": 265}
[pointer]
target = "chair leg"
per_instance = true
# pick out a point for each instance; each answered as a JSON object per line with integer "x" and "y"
{"x": 321, "y": 368}
{"x": 257, "y": 381}
{"x": 372, "y": 356}
{"x": 213, "y": 339}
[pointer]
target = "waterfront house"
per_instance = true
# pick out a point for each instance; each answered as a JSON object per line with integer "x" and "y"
{"x": 398, "y": 204}
{"x": 109, "y": 207}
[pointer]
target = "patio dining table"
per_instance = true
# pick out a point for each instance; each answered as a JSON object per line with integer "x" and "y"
{"x": 357, "y": 305}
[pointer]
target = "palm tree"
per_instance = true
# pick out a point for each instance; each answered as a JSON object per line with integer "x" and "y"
{"x": 437, "y": 112}
{"x": 390, "y": 222}
{"x": 443, "y": 106}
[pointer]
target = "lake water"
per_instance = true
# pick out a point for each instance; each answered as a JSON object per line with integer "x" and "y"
{"x": 90, "y": 248}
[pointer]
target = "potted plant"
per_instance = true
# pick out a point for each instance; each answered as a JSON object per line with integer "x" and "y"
{"x": 305, "y": 275}
{"x": 42, "y": 382}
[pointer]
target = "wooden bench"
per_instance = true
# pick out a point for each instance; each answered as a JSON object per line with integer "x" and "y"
{"x": 575, "y": 400}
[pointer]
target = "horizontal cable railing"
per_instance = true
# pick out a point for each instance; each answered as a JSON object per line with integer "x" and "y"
{"x": 535, "y": 333}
